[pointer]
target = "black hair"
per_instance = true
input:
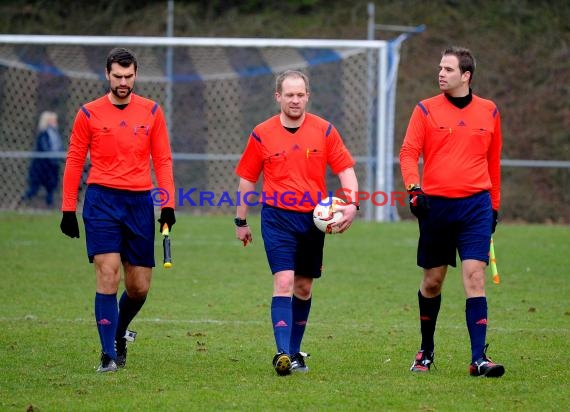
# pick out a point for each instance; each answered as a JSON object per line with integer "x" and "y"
{"x": 123, "y": 57}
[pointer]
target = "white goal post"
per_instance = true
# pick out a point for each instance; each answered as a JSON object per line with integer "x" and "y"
{"x": 213, "y": 91}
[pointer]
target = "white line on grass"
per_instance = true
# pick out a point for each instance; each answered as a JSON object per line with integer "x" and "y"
{"x": 31, "y": 318}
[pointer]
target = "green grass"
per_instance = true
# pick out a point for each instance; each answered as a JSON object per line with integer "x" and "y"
{"x": 205, "y": 341}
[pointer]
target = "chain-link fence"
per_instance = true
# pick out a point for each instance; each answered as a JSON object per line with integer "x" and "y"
{"x": 212, "y": 96}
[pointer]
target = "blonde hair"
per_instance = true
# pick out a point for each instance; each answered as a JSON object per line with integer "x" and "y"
{"x": 290, "y": 73}
{"x": 46, "y": 120}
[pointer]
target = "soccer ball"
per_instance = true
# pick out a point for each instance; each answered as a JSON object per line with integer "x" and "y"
{"x": 324, "y": 214}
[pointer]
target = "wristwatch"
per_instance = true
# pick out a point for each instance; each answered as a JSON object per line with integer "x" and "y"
{"x": 412, "y": 186}
{"x": 356, "y": 204}
{"x": 240, "y": 222}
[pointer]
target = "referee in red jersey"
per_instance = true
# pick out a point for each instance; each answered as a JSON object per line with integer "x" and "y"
{"x": 458, "y": 134}
{"x": 292, "y": 149}
{"x": 122, "y": 132}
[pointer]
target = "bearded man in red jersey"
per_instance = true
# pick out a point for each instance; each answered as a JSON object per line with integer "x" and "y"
{"x": 122, "y": 132}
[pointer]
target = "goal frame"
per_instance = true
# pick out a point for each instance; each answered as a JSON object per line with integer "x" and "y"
{"x": 379, "y": 161}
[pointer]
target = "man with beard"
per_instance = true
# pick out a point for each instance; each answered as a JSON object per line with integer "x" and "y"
{"x": 121, "y": 131}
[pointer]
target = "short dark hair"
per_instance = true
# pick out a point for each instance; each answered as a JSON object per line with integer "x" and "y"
{"x": 466, "y": 59}
{"x": 291, "y": 73}
{"x": 123, "y": 57}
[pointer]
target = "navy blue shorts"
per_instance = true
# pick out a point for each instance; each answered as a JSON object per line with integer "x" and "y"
{"x": 292, "y": 241}
{"x": 463, "y": 225}
{"x": 119, "y": 221}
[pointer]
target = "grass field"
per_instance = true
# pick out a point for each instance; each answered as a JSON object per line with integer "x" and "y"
{"x": 205, "y": 341}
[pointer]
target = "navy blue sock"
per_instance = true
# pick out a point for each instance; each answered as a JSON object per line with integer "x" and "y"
{"x": 476, "y": 317}
{"x": 429, "y": 309}
{"x": 106, "y": 314}
{"x": 128, "y": 309}
{"x": 281, "y": 318}
{"x": 300, "y": 313}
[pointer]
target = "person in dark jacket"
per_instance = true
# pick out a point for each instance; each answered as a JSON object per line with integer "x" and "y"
{"x": 44, "y": 169}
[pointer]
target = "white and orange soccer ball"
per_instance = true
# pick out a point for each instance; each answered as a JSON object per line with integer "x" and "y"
{"x": 325, "y": 214}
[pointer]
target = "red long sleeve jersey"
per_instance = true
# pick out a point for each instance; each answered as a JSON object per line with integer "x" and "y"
{"x": 461, "y": 148}
{"x": 121, "y": 144}
{"x": 293, "y": 164}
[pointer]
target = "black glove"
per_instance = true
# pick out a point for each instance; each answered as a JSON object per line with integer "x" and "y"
{"x": 495, "y": 220}
{"x": 419, "y": 203}
{"x": 166, "y": 218}
{"x": 69, "y": 225}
